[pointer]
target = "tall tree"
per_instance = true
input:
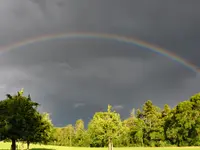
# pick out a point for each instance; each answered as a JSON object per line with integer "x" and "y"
{"x": 195, "y": 116}
{"x": 182, "y": 127}
{"x": 179, "y": 124}
{"x": 137, "y": 133}
{"x": 105, "y": 127}
{"x": 17, "y": 110}
{"x": 128, "y": 125}
{"x": 152, "y": 117}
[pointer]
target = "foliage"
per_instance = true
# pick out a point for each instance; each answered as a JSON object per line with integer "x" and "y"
{"x": 104, "y": 127}
{"x": 19, "y": 118}
{"x": 150, "y": 126}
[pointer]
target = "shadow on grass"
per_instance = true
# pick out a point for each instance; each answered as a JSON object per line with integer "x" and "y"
{"x": 42, "y": 149}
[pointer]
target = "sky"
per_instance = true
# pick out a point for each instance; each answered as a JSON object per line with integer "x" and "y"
{"x": 74, "y": 78}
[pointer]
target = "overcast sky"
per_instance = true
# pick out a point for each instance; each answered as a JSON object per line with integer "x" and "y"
{"x": 73, "y": 78}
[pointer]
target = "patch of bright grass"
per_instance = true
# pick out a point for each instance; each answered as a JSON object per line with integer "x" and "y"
{"x": 6, "y": 146}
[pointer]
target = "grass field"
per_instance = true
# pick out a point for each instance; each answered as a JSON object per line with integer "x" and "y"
{"x": 6, "y": 146}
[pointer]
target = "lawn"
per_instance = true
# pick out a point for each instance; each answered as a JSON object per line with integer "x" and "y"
{"x": 6, "y": 146}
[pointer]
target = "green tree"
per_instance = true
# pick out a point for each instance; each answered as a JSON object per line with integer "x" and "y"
{"x": 137, "y": 133}
{"x": 16, "y": 111}
{"x": 39, "y": 129}
{"x": 128, "y": 125}
{"x": 123, "y": 139}
{"x": 195, "y": 116}
{"x": 64, "y": 136}
{"x": 179, "y": 124}
{"x": 182, "y": 127}
{"x": 166, "y": 111}
{"x": 70, "y": 135}
{"x": 104, "y": 128}
{"x": 153, "y": 131}
{"x": 81, "y": 136}
{"x": 58, "y": 135}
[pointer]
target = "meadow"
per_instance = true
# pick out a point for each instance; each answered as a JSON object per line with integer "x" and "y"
{"x": 6, "y": 146}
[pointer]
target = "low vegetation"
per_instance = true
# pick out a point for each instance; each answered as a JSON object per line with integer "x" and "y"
{"x": 150, "y": 126}
{"x": 6, "y": 146}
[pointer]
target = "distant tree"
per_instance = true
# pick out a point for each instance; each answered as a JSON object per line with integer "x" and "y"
{"x": 70, "y": 134}
{"x": 58, "y": 136}
{"x": 153, "y": 131}
{"x": 104, "y": 128}
{"x": 179, "y": 124}
{"x": 79, "y": 125}
{"x": 137, "y": 133}
{"x": 64, "y": 136}
{"x": 125, "y": 135}
{"x": 166, "y": 115}
{"x": 123, "y": 139}
{"x": 166, "y": 110}
{"x": 81, "y": 136}
{"x": 128, "y": 124}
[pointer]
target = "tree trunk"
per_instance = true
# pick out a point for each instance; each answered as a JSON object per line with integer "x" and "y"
{"x": 110, "y": 144}
{"x": 70, "y": 139}
{"x": 28, "y": 145}
{"x": 13, "y": 146}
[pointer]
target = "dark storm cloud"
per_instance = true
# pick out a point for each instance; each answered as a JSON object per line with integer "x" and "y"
{"x": 74, "y": 78}
{"x": 41, "y": 3}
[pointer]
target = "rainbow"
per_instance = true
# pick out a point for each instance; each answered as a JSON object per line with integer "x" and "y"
{"x": 85, "y": 35}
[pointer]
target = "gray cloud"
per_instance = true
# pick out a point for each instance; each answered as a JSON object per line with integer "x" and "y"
{"x": 77, "y": 105}
{"x": 74, "y": 78}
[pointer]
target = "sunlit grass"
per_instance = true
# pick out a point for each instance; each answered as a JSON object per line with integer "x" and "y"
{"x": 6, "y": 146}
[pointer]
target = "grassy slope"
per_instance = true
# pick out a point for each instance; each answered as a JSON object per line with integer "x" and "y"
{"x": 6, "y": 146}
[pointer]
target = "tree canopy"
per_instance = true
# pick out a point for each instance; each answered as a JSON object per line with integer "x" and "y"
{"x": 20, "y": 120}
{"x": 150, "y": 125}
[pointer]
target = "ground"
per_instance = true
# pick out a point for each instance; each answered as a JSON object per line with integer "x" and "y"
{"x": 6, "y": 146}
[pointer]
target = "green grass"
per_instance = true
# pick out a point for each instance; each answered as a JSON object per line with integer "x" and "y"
{"x": 6, "y": 146}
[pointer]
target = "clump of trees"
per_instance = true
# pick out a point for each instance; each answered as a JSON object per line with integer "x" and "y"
{"x": 149, "y": 126}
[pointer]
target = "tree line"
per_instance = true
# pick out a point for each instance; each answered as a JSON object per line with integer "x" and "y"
{"x": 149, "y": 126}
